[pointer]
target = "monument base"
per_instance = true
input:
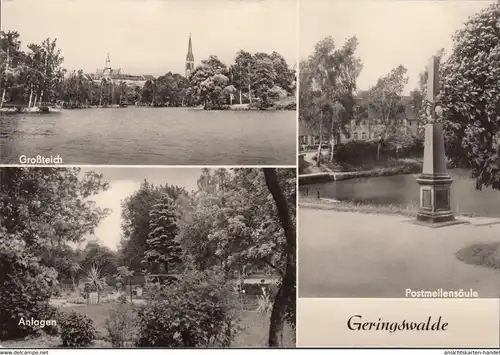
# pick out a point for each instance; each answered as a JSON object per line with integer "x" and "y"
{"x": 435, "y": 217}
{"x": 435, "y": 206}
{"x": 426, "y": 223}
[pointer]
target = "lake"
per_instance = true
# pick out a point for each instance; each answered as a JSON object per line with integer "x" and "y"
{"x": 152, "y": 136}
{"x": 403, "y": 190}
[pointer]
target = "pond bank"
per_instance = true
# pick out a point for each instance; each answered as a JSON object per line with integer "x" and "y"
{"x": 408, "y": 210}
{"x": 406, "y": 166}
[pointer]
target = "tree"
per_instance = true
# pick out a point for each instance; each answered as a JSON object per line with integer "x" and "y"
{"x": 241, "y": 74}
{"x": 285, "y": 77}
{"x": 136, "y": 221}
{"x": 147, "y": 92}
{"x": 12, "y": 63}
{"x": 99, "y": 256}
{"x": 42, "y": 210}
{"x": 233, "y": 223}
{"x": 207, "y": 83}
{"x": 265, "y": 78}
{"x": 163, "y": 253}
{"x": 285, "y": 299}
{"x": 469, "y": 97}
{"x": 384, "y": 100}
{"x": 327, "y": 86}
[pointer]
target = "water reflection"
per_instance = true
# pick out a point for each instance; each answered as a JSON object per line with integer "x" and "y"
{"x": 153, "y": 136}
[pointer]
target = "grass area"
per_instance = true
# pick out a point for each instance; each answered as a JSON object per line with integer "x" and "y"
{"x": 285, "y": 103}
{"x": 253, "y": 330}
{"x": 348, "y": 206}
{"x": 485, "y": 255}
{"x": 310, "y": 168}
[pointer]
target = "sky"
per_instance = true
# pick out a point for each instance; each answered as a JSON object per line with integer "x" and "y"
{"x": 390, "y": 33}
{"x": 123, "y": 183}
{"x": 151, "y": 36}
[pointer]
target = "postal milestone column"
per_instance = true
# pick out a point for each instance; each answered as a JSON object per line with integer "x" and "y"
{"x": 435, "y": 182}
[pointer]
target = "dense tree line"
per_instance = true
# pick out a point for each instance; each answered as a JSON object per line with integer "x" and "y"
{"x": 260, "y": 78}
{"x": 37, "y": 76}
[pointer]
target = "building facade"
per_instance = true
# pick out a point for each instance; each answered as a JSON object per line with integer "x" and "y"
{"x": 366, "y": 128}
{"x": 115, "y": 76}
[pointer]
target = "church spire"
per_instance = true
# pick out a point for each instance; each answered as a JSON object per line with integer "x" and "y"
{"x": 189, "y": 58}
{"x": 190, "y": 55}
{"x": 108, "y": 62}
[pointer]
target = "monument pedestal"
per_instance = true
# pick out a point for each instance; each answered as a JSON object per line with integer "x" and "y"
{"x": 435, "y": 206}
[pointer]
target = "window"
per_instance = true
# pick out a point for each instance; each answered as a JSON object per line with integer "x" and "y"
{"x": 409, "y": 123}
{"x": 363, "y": 136}
{"x": 355, "y": 135}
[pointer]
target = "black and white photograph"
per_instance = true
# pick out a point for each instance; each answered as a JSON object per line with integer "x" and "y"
{"x": 152, "y": 82}
{"x": 399, "y": 149}
{"x": 128, "y": 257}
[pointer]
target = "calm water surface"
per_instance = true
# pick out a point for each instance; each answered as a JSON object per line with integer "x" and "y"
{"x": 152, "y": 136}
{"x": 403, "y": 190}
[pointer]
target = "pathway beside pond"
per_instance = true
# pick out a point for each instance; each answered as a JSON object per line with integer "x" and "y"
{"x": 350, "y": 254}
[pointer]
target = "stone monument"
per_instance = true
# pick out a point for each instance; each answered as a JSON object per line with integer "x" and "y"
{"x": 435, "y": 197}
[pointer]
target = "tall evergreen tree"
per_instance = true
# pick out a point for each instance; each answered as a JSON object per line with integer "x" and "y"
{"x": 163, "y": 253}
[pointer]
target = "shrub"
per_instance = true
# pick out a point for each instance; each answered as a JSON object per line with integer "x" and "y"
{"x": 196, "y": 311}
{"x": 25, "y": 287}
{"x": 360, "y": 152}
{"x": 51, "y": 313}
{"x": 265, "y": 303}
{"x": 77, "y": 300}
{"x": 121, "y": 324}
{"x": 77, "y": 330}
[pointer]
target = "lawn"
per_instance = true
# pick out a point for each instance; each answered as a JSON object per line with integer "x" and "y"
{"x": 254, "y": 330}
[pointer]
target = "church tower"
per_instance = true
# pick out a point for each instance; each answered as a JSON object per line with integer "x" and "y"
{"x": 107, "y": 66}
{"x": 189, "y": 58}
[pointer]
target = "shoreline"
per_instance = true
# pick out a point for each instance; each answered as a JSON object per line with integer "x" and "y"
{"x": 347, "y": 206}
{"x": 314, "y": 178}
{"x": 10, "y": 111}
{"x": 332, "y": 176}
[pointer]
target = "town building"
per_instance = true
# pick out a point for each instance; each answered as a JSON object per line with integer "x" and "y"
{"x": 366, "y": 128}
{"x": 112, "y": 75}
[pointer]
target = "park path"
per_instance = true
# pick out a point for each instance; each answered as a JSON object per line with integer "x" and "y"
{"x": 350, "y": 254}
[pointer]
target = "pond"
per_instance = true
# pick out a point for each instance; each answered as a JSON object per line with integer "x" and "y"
{"x": 403, "y": 190}
{"x": 152, "y": 136}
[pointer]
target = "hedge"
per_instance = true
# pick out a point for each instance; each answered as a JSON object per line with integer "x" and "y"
{"x": 357, "y": 152}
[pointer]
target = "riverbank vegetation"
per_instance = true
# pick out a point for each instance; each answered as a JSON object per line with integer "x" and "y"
{"x": 183, "y": 256}
{"x": 405, "y": 210}
{"x": 36, "y": 77}
{"x": 348, "y": 206}
{"x": 468, "y": 98}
